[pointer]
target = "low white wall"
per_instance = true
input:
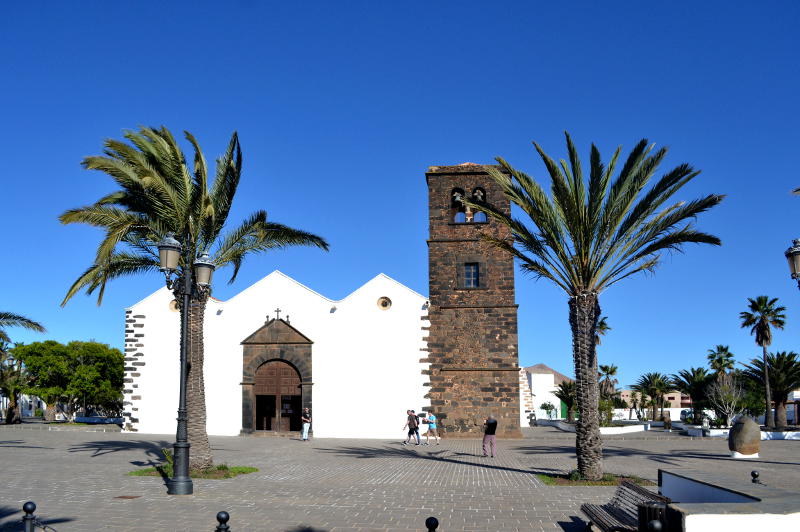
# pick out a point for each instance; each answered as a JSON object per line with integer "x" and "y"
{"x": 780, "y": 435}
{"x": 568, "y": 427}
{"x": 740, "y": 522}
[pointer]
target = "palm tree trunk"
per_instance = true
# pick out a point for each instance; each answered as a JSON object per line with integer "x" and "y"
{"x": 50, "y": 412}
{"x": 769, "y": 421}
{"x": 12, "y": 412}
{"x": 200, "y": 456}
{"x": 780, "y": 414}
{"x": 584, "y": 308}
{"x": 654, "y": 405}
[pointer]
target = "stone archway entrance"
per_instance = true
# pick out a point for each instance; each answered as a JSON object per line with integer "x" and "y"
{"x": 276, "y": 378}
{"x": 279, "y": 397}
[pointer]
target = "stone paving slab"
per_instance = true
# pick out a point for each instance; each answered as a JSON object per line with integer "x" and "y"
{"x": 336, "y": 485}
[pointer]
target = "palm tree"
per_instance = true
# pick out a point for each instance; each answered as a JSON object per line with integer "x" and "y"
{"x": 693, "y": 382}
{"x": 601, "y": 329}
{"x": 566, "y": 392}
{"x": 8, "y": 319}
{"x": 589, "y": 234}
{"x": 655, "y": 386}
{"x": 763, "y": 314}
{"x": 608, "y": 385}
{"x": 720, "y": 359}
{"x": 160, "y": 194}
{"x": 783, "y": 370}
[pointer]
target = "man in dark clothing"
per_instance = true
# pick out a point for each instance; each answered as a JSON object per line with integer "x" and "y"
{"x": 489, "y": 429}
{"x": 412, "y": 422}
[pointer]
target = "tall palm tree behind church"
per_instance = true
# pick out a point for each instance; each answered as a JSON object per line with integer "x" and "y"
{"x": 764, "y": 313}
{"x": 159, "y": 194}
{"x": 586, "y": 238}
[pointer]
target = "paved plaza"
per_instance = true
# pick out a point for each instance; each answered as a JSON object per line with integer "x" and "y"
{"x": 78, "y": 480}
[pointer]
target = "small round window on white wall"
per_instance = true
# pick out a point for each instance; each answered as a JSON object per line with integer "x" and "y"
{"x": 384, "y": 303}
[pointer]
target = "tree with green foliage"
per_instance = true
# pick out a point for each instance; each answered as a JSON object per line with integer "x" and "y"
{"x": 566, "y": 393}
{"x": 694, "y": 383}
{"x": 78, "y": 373}
{"x": 49, "y": 371}
{"x": 159, "y": 193}
{"x": 601, "y": 329}
{"x": 97, "y": 380}
{"x": 655, "y": 386}
{"x": 13, "y": 380}
{"x": 608, "y": 384}
{"x": 588, "y": 234}
{"x": 783, "y": 371}
{"x": 720, "y": 359}
{"x": 549, "y": 408}
{"x": 764, "y": 313}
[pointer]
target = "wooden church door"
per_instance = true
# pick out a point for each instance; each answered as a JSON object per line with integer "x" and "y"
{"x": 278, "y": 397}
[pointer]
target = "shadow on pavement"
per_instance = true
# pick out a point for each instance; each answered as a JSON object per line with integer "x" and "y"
{"x": 438, "y": 456}
{"x": 11, "y": 519}
{"x": 98, "y": 448}
{"x": 569, "y": 450}
{"x": 20, "y": 444}
{"x": 306, "y": 529}
{"x": 575, "y": 524}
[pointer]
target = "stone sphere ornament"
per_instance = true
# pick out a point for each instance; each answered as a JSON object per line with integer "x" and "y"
{"x": 744, "y": 439}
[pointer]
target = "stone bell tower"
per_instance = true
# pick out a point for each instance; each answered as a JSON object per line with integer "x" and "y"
{"x": 472, "y": 340}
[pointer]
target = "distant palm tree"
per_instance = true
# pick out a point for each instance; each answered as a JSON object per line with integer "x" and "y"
{"x": 764, "y": 313}
{"x": 655, "y": 386}
{"x": 8, "y": 319}
{"x": 608, "y": 385}
{"x": 601, "y": 330}
{"x": 566, "y": 393}
{"x": 588, "y": 234}
{"x": 784, "y": 377}
{"x": 159, "y": 194}
{"x": 720, "y": 359}
{"x": 693, "y": 382}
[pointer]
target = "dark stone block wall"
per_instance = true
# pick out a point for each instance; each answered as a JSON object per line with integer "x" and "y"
{"x": 472, "y": 338}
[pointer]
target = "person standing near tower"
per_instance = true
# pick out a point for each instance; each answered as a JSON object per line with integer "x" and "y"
{"x": 489, "y": 438}
{"x": 305, "y": 417}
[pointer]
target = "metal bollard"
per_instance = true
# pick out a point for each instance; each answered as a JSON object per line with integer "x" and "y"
{"x": 222, "y": 519}
{"x": 650, "y": 513}
{"x": 755, "y": 479}
{"x": 28, "y": 519}
{"x": 431, "y": 523}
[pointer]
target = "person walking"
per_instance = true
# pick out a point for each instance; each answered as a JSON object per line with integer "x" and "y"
{"x": 412, "y": 423}
{"x": 489, "y": 430}
{"x": 430, "y": 419}
{"x": 305, "y": 417}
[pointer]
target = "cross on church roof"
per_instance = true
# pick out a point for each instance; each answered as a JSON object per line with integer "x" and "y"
{"x": 277, "y": 313}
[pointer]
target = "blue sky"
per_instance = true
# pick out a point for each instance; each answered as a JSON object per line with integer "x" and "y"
{"x": 341, "y": 107}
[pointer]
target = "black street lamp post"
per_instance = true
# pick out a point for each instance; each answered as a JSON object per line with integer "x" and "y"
{"x": 185, "y": 287}
{"x": 793, "y": 256}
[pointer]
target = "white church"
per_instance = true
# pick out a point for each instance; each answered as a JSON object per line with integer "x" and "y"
{"x": 358, "y": 363}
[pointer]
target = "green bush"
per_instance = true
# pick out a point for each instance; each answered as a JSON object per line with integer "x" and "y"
{"x": 38, "y": 413}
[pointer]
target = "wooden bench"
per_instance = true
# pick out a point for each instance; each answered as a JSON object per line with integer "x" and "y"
{"x": 621, "y": 512}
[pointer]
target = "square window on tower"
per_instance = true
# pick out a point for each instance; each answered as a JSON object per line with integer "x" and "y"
{"x": 472, "y": 275}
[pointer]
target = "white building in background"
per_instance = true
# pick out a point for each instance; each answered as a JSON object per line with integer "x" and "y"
{"x": 355, "y": 362}
{"x": 543, "y": 381}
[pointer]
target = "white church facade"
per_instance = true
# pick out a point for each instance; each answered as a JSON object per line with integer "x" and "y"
{"x": 359, "y": 363}
{"x": 363, "y": 373}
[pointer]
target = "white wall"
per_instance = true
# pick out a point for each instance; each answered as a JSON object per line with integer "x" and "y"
{"x": 542, "y": 387}
{"x": 365, "y": 360}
